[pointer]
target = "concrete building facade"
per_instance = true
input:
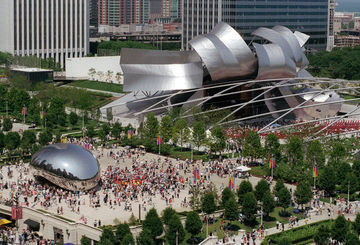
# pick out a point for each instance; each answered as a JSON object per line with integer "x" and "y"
{"x": 310, "y": 17}
{"x": 56, "y": 29}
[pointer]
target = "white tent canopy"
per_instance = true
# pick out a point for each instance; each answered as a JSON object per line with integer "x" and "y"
{"x": 242, "y": 169}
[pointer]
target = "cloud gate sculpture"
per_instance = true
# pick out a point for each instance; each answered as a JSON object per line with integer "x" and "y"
{"x": 69, "y": 166}
{"x": 222, "y": 69}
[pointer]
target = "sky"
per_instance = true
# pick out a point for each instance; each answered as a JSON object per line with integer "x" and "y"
{"x": 348, "y": 5}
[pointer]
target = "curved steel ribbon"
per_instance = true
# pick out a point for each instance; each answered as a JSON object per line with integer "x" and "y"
{"x": 156, "y": 70}
{"x": 273, "y": 62}
{"x": 225, "y": 53}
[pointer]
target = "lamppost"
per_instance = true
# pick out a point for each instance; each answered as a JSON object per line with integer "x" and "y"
{"x": 261, "y": 203}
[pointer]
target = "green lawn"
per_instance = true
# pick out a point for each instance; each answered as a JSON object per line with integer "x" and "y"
{"x": 259, "y": 171}
{"x": 102, "y": 86}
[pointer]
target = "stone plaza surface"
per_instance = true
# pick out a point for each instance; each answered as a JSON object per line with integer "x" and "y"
{"x": 117, "y": 213}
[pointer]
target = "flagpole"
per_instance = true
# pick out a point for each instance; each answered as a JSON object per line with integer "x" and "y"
{"x": 159, "y": 144}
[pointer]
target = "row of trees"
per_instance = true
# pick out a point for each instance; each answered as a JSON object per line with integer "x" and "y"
{"x": 154, "y": 229}
{"x": 52, "y": 101}
{"x": 339, "y": 63}
{"x": 177, "y": 131}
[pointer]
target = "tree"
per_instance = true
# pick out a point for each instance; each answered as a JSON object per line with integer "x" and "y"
{"x": 357, "y": 224}
{"x": 28, "y": 139}
{"x": 166, "y": 128}
{"x": 109, "y": 75}
{"x": 109, "y": 116}
{"x": 57, "y": 108}
{"x": 116, "y": 130}
{"x": 261, "y": 188}
{"x": 303, "y": 193}
{"x": 252, "y": 145}
{"x": 145, "y": 238}
{"x": 268, "y": 203}
{"x": 217, "y": 140}
{"x": 153, "y": 223}
{"x": 12, "y": 140}
{"x": 167, "y": 214}
{"x": 226, "y": 195}
{"x": 351, "y": 239}
{"x": 294, "y": 150}
{"x": 85, "y": 241}
{"x": 322, "y": 236}
{"x": 91, "y": 73}
{"x": 350, "y": 183}
{"x": 175, "y": 231}
{"x": 2, "y": 141}
{"x": 284, "y": 198}
{"x": 315, "y": 154}
{"x": 73, "y": 118}
{"x": 121, "y": 231}
{"x": 272, "y": 146}
{"x": 45, "y": 137}
{"x": 278, "y": 186}
{"x": 90, "y": 132}
{"x": 208, "y": 203}
{"x": 108, "y": 235}
{"x": 193, "y": 223}
{"x": 338, "y": 153}
{"x": 356, "y": 168}
{"x": 7, "y": 124}
{"x": 339, "y": 229}
{"x": 128, "y": 240}
{"x": 342, "y": 170}
{"x": 244, "y": 187}
{"x": 231, "y": 209}
{"x": 181, "y": 132}
{"x": 249, "y": 208}
{"x": 199, "y": 134}
{"x": 151, "y": 127}
{"x": 327, "y": 179}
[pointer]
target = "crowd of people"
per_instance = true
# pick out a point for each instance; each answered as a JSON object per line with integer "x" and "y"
{"x": 10, "y": 235}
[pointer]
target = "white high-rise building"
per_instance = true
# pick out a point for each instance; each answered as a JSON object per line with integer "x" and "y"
{"x": 57, "y": 29}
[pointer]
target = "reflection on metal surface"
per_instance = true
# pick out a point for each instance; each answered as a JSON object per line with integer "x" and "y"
{"x": 155, "y": 70}
{"x": 304, "y": 73}
{"x": 321, "y": 111}
{"x": 273, "y": 63}
{"x": 276, "y": 38}
{"x": 69, "y": 166}
{"x": 225, "y": 53}
{"x": 289, "y": 36}
{"x": 301, "y": 37}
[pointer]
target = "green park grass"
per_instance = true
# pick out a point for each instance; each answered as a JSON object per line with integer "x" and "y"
{"x": 101, "y": 86}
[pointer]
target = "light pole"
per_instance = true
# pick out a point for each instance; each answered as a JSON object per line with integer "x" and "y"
{"x": 177, "y": 237}
{"x": 207, "y": 226}
{"x": 261, "y": 203}
{"x": 348, "y": 193}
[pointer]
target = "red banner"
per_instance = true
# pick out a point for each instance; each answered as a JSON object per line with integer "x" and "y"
{"x": 16, "y": 213}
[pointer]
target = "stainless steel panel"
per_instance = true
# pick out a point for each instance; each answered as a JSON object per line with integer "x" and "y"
{"x": 155, "y": 70}
{"x": 273, "y": 62}
{"x": 225, "y": 53}
{"x": 301, "y": 37}
{"x": 66, "y": 162}
{"x": 276, "y": 38}
{"x": 289, "y": 36}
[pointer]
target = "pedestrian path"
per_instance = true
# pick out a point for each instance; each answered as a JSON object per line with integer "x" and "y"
{"x": 311, "y": 218}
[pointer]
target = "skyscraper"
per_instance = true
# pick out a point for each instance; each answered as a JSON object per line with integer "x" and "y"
{"x": 56, "y": 29}
{"x": 93, "y": 12}
{"x": 310, "y": 17}
{"x": 117, "y": 12}
{"x": 171, "y": 9}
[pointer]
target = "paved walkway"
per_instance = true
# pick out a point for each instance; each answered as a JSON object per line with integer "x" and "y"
{"x": 313, "y": 218}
